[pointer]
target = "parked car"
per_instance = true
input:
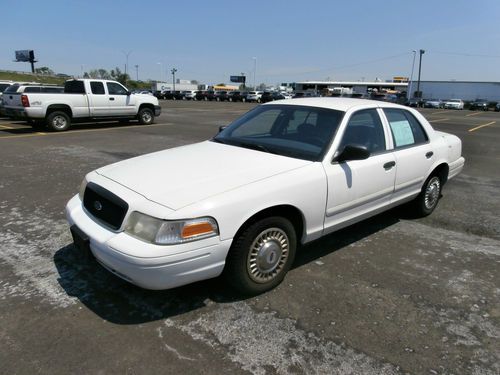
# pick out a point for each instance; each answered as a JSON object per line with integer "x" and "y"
{"x": 454, "y": 104}
{"x": 189, "y": 94}
{"x": 4, "y": 85}
{"x": 414, "y": 102}
{"x": 241, "y": 203}
{"x": 254, "y": 96}
{"x": 497, "y": 107}
{"x": 266, "y": 96}
{"x": 306, "y": 94}
{"x": 200, "y": 95}
{"x": 210, "y": 95}
{"x": 221, "y": 96}
{"x": 433, "y": 103}
{"x": 237, "y": 96}
{"x": 83, "y": 99}
{"x": 479, "y": 104}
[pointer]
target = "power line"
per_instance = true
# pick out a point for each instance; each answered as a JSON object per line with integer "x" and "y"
{"x": 465, "y": 54}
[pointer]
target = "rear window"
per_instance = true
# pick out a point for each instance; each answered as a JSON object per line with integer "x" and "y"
{"x": 32, "y": 89}
{"x": 3, "y": 86}
{"x": 97, "y": 88}
{"x": 74, "y": 87}
{"x": 405, "y": 128}
{"x": 12, "y": 89}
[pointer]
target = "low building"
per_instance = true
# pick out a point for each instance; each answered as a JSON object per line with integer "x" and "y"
{"x": 465, "y": 90}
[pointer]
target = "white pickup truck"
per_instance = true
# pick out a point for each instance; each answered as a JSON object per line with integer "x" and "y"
{"x": 82, "y": 100}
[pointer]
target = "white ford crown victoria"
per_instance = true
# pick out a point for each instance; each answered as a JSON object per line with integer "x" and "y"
{"x": 282, "y": 175}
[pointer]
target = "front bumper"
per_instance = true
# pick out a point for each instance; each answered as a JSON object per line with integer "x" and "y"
{"x": 184, "y": 263}
{"x": 157, "y": 110}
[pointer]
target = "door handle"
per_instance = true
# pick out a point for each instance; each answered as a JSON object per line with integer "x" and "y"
{"x": 111, "y": 98}
{"x": 389, "y": 165}
{"x": 429, "y": 154}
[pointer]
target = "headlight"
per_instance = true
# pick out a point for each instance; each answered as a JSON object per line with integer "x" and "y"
{"x": 83, "y": 185}
{"x": 170, "y": 232}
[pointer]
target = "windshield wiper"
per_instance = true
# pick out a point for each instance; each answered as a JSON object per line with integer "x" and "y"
{"x": 256, "y": 146}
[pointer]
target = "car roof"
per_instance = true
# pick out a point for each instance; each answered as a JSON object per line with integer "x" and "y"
{"x": 339, "y": 104}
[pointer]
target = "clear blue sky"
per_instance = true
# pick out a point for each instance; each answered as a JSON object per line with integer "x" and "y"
{"x": 292, "y": 40}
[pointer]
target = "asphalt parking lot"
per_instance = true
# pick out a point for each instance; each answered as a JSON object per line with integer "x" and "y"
{"x": 389, "y": 295}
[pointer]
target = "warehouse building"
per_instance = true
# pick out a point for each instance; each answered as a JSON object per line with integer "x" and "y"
{"x": 465, "y": 90}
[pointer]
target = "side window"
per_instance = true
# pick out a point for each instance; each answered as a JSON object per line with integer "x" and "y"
{"x": 405, "y": 128}
{"x": 32, "y": 89}
{"x": 365, "y": 128}
{"x": 97, "y": 88}
{"x": 116, "y": 89}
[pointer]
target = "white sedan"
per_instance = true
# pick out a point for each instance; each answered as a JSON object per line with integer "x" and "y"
{"x": 241, "y": 203}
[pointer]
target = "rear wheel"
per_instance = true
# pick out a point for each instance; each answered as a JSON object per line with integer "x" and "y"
{"x": 261, "y": 255}
{"x": 146, "y": 116}
{"x": 428, "y": 198}
{"x": 58, "y": 121}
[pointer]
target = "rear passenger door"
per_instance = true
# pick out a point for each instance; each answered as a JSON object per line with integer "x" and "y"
{"x": 412, "y": 150}
{"x": 99, "y": 100}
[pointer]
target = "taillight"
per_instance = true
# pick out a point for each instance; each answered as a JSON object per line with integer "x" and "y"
{"x": 25, "y": 101}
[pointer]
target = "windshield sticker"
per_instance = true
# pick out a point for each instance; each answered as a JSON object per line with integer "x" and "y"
{"x": 402, "y": 133}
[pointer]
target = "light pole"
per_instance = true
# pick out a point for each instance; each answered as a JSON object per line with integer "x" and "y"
{"x": 411, "y": 75}
{"x": 159, "y": 63}
{"x": 244, "y": 78}
{"x": 254, "y": 71}
{"x": 173, "y": 76}
{"x": 136, "y": 72}
{"x": 419, "y": 71}
{"x": 81, "y": 70}
{"x": 127, "y": 54}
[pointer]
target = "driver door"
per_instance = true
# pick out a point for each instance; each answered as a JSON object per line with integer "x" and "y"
{"x": 360, "y": 187}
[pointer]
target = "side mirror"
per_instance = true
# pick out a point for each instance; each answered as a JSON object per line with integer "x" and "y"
{"x": 222, "y": 127}
{"x": 128, "y": 93}
{"x": 352, "y": 152}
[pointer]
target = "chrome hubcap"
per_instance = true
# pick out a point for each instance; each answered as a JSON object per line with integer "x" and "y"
{"x": 146, "y": 117}
{"x": 59, "y": 122}
{"x": 268, "y": 255}
{"x": 432, "y": 192}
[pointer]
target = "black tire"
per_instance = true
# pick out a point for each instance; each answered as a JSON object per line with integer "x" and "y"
{"x": 261, "y": 255}
{"x": 58, "y": 121}
{"x": 146, "y": 116}
{"x": 425, "y": 203}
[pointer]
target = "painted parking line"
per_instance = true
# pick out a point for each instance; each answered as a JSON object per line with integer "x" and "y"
{"x": 6, "y": 127}
{"x": 473, "y": 114}
{"x": 482, "y": 126}
{"x": 439, "y": 120}
{"x": 83, "y": 131}
{"x": 437, "y": 113}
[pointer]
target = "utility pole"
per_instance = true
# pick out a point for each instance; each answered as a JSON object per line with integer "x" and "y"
{"x": 409, "y": 94}
{"x": 254, "y": 72}
{"x": 136, "y": 72}
{"x": 419, "y": 71}
{"x": 173, "y": 76}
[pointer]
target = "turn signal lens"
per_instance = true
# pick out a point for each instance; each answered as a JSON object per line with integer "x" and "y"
{"x": 196, "y": 229}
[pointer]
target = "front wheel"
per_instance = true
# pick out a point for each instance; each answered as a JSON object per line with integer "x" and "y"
{"x": 261, "y": 255}
{"x": 146, "y": 116}
{"x": 58, "y": 121}
{"x": 428, "y": 198}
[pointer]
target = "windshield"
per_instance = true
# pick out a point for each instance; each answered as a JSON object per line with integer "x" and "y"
{"x": 301, "y": 132}
{"x": 3, "y": 86}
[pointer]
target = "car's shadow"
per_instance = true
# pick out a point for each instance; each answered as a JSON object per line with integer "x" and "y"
{"x": 22, "y": 127}
{"x": 119, "y": 302}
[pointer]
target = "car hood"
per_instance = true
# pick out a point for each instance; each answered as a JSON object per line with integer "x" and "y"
{"x": 181, "y": 176}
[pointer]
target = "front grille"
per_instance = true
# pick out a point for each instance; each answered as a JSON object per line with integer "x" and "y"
{"x": 104, "y": 205}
